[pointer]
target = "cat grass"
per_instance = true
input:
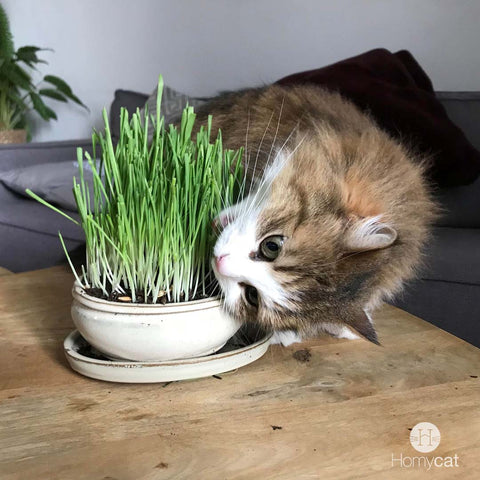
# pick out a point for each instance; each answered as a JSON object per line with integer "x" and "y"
{"x": 148, "y": 224}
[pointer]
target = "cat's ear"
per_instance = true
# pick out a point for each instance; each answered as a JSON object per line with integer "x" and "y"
{"x": 221, "y": 221}
{"x": 362, "y": 324}
{"x": 363, "y": 234}
{"x": 226, "y": 216}
{"x": 230, "y": 214}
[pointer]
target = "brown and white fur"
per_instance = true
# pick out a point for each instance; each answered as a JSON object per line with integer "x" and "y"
{"x": 350, "y": 203}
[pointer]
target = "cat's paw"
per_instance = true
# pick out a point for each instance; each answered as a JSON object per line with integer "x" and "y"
{"x": 345, "y": 332}
{"x": 285, "y": 338}
{"x": 341, "y": 331}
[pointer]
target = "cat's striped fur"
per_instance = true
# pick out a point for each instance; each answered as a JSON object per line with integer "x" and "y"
{"x": 351, "y": 203}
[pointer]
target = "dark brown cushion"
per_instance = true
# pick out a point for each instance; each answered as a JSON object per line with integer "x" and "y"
{"x": 399, "y": 95}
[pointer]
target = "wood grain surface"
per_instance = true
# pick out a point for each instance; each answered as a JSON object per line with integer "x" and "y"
{"x": 4, "y": 271}
{"x": 339, "y": 409}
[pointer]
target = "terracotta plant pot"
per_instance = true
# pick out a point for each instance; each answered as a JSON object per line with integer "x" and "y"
{"x": 13, "y": 136}
{"x": 143, "y": 332}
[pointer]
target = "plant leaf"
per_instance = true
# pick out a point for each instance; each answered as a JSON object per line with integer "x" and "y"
{"x": 51, "y": 93}
{"x": 49, "y": 205}
{"x": 28, "y": 54}
{"x": 77, "y": 100}
{"x": 14, "y": 98}
{"x": 45, "y": 112}
{"x": 27, "y": 49}
{"x": 69, "y": 259}
{"x": 64, "y": 88}
{"x": 59, "y": 83}
{"x": 6, "y": 39}
{"x": 18, "y": 76}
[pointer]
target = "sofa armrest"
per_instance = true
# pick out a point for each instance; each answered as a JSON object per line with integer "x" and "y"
{"x": 463, "y": 109}
{"x": 26, "y": 154}
{"x": 461, "y": 204}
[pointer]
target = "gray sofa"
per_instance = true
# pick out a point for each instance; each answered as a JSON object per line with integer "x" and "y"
{"x": 28, "y": 230}
{"x": 446, "y": 294}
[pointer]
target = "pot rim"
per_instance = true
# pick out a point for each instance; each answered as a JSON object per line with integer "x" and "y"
{"x": 79, "y": 294}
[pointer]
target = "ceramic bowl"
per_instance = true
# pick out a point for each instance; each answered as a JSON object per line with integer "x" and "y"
{"x": 143, "y": 332}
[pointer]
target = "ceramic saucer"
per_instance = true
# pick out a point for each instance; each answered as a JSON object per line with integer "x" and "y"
{"x": 246, "y": 346}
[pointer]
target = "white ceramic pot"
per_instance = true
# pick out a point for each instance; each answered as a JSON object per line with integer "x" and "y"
{"x": 143, "y": 332}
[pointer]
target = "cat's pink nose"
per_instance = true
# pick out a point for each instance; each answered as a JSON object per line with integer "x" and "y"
{"x": 219, "y": 260}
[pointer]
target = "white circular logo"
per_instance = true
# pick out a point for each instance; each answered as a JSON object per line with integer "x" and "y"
{"x": 425, "y": 437}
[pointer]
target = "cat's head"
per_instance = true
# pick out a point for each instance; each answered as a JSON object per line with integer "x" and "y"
{"x": 300, "y": 251}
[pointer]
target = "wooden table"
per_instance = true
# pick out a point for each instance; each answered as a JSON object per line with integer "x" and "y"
{"x": 342, "y": 414}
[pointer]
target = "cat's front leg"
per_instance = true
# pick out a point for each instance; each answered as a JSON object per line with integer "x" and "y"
{"x": 285, "y": 338}
{"x": 343, "y": 332}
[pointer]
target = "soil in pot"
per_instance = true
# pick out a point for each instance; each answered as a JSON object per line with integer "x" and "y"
{"x": 212, "y": 290}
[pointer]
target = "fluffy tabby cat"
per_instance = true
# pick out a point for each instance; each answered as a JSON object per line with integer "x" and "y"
{"x": 335, "y": 220}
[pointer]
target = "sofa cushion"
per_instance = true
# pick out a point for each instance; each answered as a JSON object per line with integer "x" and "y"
{"x": 22, "y": 250}
{"x": 25, "y": 154}
{"x": 126, "y": 99}
{"x": 173, "y": 103}
{"x": 51, "y": 181}
{"x": 453, "y": 255}
{"x": 398, "y": 94}
{"x": 30, "y": 216}
{"x": 451, "y": 306}
{"x": 463, "y": 108}
{"x": 460, "y": 206}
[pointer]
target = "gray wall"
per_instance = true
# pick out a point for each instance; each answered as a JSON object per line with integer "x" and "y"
{"x": 202, "y": 46}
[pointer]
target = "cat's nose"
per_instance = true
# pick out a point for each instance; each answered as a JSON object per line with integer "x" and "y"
{"x": 219, "y": 260}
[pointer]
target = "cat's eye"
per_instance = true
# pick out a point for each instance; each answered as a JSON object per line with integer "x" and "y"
{"x": 251, "y": 295}
{"x": 270, "y": 247}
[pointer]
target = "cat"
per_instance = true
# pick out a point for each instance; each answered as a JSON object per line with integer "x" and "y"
{"x": 335, "y": 219}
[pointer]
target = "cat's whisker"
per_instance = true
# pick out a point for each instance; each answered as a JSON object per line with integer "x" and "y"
{"x": 247, "y": 153}
{"x": 272, "y": 146}
{"x": 265, "y": 179}
{"x": 279, "y": 152}
{"x": 278, "y": 127}
{"x": 259, "y": 148}
{"x": 246, "y": 136}
{"x": 247, "y": 210}
{"x": 226, "y": 204}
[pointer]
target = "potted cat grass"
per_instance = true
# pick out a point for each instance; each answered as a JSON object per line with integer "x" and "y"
{"x": 147, "y": 292}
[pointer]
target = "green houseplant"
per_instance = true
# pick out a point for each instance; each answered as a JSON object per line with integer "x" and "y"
{"x": 19, "y": 94}
{"x": 149, "y": 236}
